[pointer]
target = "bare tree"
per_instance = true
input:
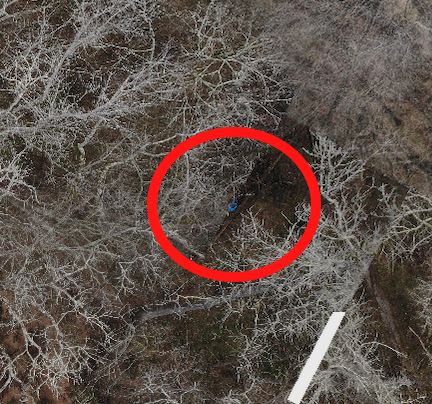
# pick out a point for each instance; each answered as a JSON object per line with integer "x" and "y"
{"x": 298, "y": 300}
{"x": 353, "y": 69}
{"x": 352, "y": 369}
{"x": 91, "y": 102}
{"x": 93, "y": 97}
{"x": 410, "y": 223}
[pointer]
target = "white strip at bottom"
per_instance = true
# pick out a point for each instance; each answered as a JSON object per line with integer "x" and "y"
{"x": 315, "y": 358}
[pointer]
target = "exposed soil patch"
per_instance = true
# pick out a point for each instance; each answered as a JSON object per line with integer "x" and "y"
{"x": 387, "y": 287}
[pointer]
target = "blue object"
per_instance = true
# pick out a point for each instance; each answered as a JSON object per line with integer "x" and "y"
{"x": 232, "y": 206}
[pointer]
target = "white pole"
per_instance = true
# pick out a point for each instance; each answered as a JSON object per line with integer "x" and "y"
{"x": 316, "y": 357}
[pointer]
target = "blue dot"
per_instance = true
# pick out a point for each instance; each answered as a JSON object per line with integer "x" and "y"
{"x": 232, "y": 206}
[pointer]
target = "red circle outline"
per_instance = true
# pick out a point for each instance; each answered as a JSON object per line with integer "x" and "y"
{"x": 220, "y": 133}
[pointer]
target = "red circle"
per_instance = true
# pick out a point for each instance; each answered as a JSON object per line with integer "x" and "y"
{"x": 220, "y": 133}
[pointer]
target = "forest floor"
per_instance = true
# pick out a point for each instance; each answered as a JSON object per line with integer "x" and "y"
{"x": 276, "y": 186}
